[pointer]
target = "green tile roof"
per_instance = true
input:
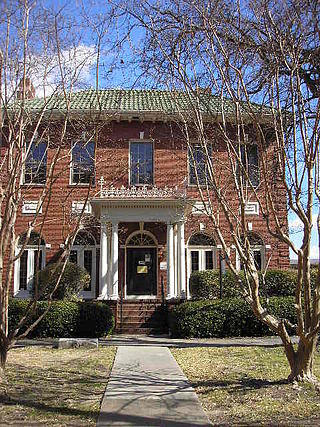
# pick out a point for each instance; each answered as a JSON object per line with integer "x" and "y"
{"x": 137, "y": 101}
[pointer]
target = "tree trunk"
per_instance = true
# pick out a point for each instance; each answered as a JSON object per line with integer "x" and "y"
{"x": 3, "y": 360}
{"x": 301, "y": 363}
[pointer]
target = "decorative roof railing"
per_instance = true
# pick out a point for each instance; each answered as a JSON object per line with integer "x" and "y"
{"x": 141, "y": 192}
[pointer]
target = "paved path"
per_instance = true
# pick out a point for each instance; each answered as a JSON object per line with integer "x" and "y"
{"x": 147, "y": 388}
{"x": 164, "y": 340}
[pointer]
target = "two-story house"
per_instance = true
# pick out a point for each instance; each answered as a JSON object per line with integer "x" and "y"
{"x": 146, "y": 229}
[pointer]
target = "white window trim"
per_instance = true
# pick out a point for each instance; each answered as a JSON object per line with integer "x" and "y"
{"x": 202, "y": 258}
{"x": 25, "y": 293}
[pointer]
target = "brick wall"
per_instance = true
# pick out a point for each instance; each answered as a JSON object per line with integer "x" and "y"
{"x": 170, "y": 169}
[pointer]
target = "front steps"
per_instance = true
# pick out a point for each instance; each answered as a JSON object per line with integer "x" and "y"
{"x": 141, "y": 317}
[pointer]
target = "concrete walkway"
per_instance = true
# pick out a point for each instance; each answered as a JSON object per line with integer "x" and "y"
{"x": 165, "y": 341}
{"x": 148, "y": 388}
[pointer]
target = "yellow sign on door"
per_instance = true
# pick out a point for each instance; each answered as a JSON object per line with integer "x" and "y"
{"x": 142, "y": 269}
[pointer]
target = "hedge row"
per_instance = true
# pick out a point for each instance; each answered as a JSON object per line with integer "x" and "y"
{"x": 231, "y": 317}
{"x": 65, "y": 318}
{"x": 206, "y": 284}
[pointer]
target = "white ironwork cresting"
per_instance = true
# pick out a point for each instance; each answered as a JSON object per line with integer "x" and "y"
{"x": 142, "y": 192}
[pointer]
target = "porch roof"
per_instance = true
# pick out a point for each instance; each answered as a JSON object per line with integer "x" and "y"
{"x": 122, "y": 209}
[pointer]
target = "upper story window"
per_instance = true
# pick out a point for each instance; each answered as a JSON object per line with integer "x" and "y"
{"x": 35, "y": 168}
{"x": 198, "y": 164}
{"x": 250, "y": 162}
{"x": 141, "y": 163}
{"x": 82, "y": 170}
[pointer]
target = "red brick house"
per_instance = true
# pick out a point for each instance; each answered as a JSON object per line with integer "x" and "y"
{"x": 148, "y": 230}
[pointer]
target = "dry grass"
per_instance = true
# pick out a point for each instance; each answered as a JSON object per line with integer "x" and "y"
{"x": 53, "y": 387}
{"x": 246, "y": 386}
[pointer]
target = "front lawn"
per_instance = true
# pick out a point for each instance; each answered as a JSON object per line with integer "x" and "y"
{"x": 245, "y": 386}
{"x": 55, "y": 387}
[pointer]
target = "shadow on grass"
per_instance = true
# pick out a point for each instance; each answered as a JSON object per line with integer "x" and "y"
{"x": 64, "y": 384}
{"x": 239, "y": 385}
{"x": 61, "y": 410}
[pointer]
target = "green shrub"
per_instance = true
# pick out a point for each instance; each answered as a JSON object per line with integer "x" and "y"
{"x": 73, "y": 280}
{"x": 96, "y": 320}
{"x": 225, "y": 318}
{"x": 279, "y": 283}
{"x": 206, "y": 284}
{"x": 17, "y": 308}
{"x": 62, "y": 319}
{"x": 65, "y": 318}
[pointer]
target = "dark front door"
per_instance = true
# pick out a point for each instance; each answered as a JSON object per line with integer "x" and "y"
{"x": 141, "y": 271}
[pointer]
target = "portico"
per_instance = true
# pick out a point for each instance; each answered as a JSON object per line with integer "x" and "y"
{"x": 142, "y": 206}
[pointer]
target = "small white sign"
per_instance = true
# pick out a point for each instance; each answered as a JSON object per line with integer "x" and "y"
{"x": 163, "y": 265}
{"x": 251, "y": 208}
{"x": 200, "y": 208}
{"x": 30, "y": 207}
{"x": 78, "y": 206}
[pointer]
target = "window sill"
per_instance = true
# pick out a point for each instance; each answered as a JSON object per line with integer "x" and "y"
{"x": 82, "y": 185}
{"x": 142, "y": 185}
{"x": 31, "y": 184}
{"x": 195, "y": 186}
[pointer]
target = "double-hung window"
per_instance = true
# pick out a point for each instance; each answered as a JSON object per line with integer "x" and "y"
{"x": 82, "y": 171}
{"x": 141, "y": 163}
{"x": 199, "y": 158}
{"x": 35, "y": 167}
{"x": 250, "y": 163}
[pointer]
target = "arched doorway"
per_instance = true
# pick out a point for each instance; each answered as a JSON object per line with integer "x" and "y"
{"x": 201, "y": 252}
{"x": 83, "y": 253}
{"x": 141, "y": 264}
{"x": 32, "y": 259}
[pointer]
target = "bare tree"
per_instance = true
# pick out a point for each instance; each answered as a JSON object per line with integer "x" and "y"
{"x": 42, "y": 46}
{"x": 235, "y": 54}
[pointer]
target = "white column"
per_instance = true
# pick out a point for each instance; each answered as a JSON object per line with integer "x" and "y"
{"x": 114, "y": 262}
{"x": 170, "y": 259}
{"x": 182, "y": 261}
{"x": 30, "y": 269}
{"x": 175, "y": 261}
{"x": 104, "y": 262}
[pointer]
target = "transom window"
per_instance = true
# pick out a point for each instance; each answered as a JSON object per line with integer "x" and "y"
{"x": 35, "y": 168}
{"x": 141, "y": 239}
{"x": 198, "y": 164}
{"x": 201, "y": 252}
{"x": 83, "y": 163}
{"x": 250, "y": 163}
{"x": 141, "y": 163}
